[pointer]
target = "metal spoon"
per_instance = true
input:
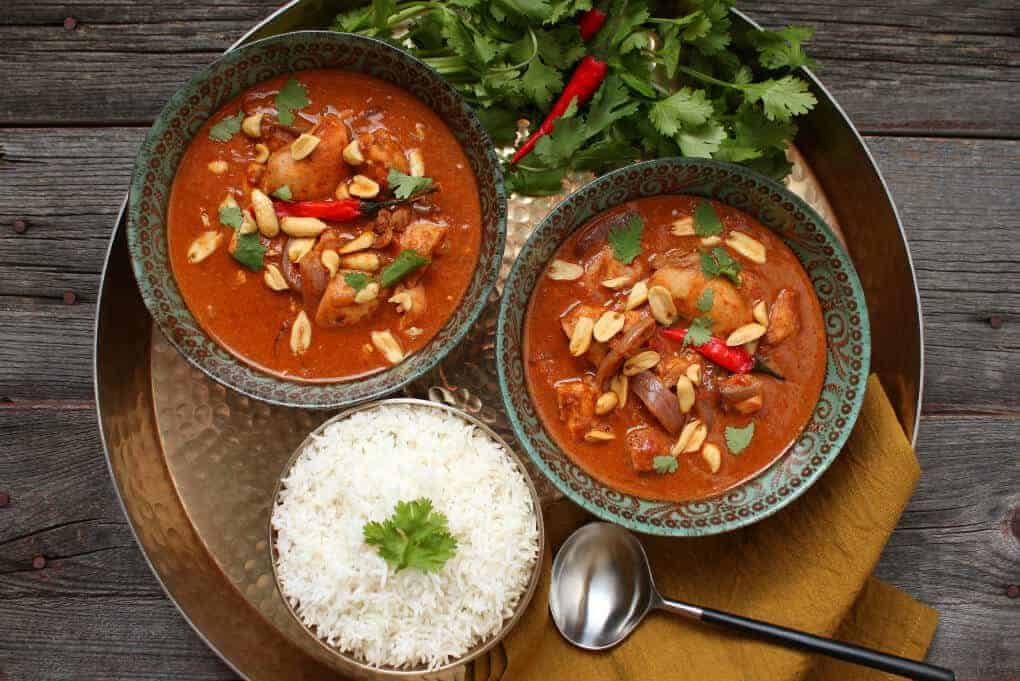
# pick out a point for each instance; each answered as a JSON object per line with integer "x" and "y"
{"x": 602, "y": 588}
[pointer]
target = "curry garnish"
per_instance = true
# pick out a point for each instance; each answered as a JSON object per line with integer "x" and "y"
{"x": 664, "y": 464}
{"x": 357, "y": 280}
{"x": 226, "y": 128}
{"x": 292, "y": 96}
{"x": 406, "y": 186}
{"x": 249, "y": 251}
{"x": 414, "y": 536}
{"x": 706, "y": 221}
{"x": 407, "y": 262}
{"x": 699, "y": 332}
{"x": 625, "y": 239}
{"x": 283, "y": 193}
{"x": 231, "y": 216}
{"x": 706, "y": 299}
{"x": 737, "y": 439}
{"x": 719, "y": 263}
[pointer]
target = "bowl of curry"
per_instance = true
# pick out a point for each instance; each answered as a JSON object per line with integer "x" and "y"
{"x": 316, "y": 219}
{"x": 683, "y": 346}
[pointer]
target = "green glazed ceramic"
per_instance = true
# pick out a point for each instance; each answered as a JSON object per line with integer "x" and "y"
{"x": 846, "y": 323}
{"x": 181, "y": 119}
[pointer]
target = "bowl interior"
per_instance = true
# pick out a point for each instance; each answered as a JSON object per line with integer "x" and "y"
{"x": 352, "y": 664}
{"x": 181, "y": 119}
{"x": 845, "y": 318}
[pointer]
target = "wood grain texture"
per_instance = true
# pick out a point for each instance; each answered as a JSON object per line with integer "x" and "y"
{"x": 942, "y": 187}
{"x": 917, "y": 74}
{"x": 95, "y": 605}
{"x": 950, "y": 69}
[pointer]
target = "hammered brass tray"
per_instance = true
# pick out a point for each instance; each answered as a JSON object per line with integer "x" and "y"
{"x": 195, "y": 464}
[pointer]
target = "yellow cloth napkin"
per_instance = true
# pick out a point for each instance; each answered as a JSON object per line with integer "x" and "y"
{"x": 807, "y": 567}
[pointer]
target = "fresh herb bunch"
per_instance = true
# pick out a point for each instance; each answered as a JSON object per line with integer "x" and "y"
{"x": 689, "y": 85}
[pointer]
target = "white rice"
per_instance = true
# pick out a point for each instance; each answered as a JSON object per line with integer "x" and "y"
{"x": 356, "y": 472}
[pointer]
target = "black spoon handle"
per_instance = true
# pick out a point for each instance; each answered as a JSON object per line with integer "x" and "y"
{"x": 816, "y": 644}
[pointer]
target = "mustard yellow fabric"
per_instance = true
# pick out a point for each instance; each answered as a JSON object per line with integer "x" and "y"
{"x": 807, "y": 567}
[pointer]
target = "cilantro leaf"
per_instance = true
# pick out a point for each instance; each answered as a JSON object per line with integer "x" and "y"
{"x": 501, "y": 124}
{"x": 719, "y": 263}
{"x": 706, "y": 220}
{"x": 664, "y": 464}
{"x": 541, "y": 83}
{"x": 356, "y": 280}
{"x": 737, "y": 439}
{"x": 535, "y": 182}
{"x": 249, "y": 251}
{"x": 408, "y": 261}
{"x": 406, "y": 186}
{"x": 701, "y": 142}
{"x": 231, "y": 216}
{"x": 291, "y": 96}
{"x": 625, "y": 240}
{"x": 684, "y": 109}
{"x": 706, "y": 299}
{"x": 782, "y": 49}
{"x": 284, "y": 193}
{"x": 226, "y": 128}
{"x": 699, "y": 332}
{"x": 414, "y": 536}
{"x": 781, "y": 99}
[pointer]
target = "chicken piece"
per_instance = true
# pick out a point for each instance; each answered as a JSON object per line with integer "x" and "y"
{"x": 784, "y": 321}
{"x": 597, "y": 351}
{"x": 729, "y": 309}
{"x": 576, "y": 402}
{"x": 741, "y": 393}
{"x": 387, "y": 222}
{"x": 317, "y": 175}
{"x": 381, "y": 152}
{"x": 338, "y": 307}
{"x": 644, "y": 445}
{"x": 604, "y": 267}
{"x": 671, "y": 367}
{"x": 423, "y": 237}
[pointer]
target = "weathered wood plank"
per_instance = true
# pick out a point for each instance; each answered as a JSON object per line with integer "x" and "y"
{"x": 95, "y": 612}
{"x": 956, "y": 198}
{"x": 950, "y": 71}
{"x": 913, "y": 66}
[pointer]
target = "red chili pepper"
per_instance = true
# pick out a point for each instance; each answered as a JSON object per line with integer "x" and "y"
{"x": 590, "y": 23}
{"x": 586, "y": 79}
{"x": 340, "y": 210}
{"x": 736, "y": 360}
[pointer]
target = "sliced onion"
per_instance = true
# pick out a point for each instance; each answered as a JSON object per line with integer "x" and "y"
{"x": 631, "y": 340}
{"x": 660, "y": 400}
{"x": 291, "y": 272}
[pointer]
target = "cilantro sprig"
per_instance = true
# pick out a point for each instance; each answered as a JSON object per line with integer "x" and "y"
{"x": 248, "y": 248}
{"x": 226, "y": 128}
{"x": 415, "y": 536}
{"x": 738, "y": 439}
{"x": 406, "y": 186}
{"x": 664, "y": 465}
{"x": 625, "y": 240}
{"x": 291, "y": 97}
{"x": 719, "y": 263}
{"x": 738, "y": 97}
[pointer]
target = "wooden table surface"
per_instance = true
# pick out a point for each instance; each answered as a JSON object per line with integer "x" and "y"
{"x": 934, "y": 86}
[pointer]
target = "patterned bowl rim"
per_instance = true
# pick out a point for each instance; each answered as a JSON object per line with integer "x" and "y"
{"x": 327, "y": 394}
{"x": 708, "y": 528}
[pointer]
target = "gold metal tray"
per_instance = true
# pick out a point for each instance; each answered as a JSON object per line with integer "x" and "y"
{"x": 195, "y": 464}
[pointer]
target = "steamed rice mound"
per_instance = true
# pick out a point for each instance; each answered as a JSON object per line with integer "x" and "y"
{"x": 355, "y": 472}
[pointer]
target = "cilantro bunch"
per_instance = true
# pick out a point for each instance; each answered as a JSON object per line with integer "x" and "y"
{"x": 689, "y": 85}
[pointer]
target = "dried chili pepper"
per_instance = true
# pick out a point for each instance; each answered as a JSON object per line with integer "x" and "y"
{"x": 340, "y": 210}
{"x": 737, "y": 360}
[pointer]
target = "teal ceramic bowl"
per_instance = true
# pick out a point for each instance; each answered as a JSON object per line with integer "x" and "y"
{"x": 846, "y": 324}
{"x": 181, "y": 119}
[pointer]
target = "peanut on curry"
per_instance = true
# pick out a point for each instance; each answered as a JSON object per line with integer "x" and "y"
{"x": 324, "y": 225}
{"x": 674, "y": 347}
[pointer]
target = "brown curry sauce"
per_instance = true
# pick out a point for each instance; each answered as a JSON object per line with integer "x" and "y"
{"x": 234, "y": 305}
{"x": 786, "y": 405}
